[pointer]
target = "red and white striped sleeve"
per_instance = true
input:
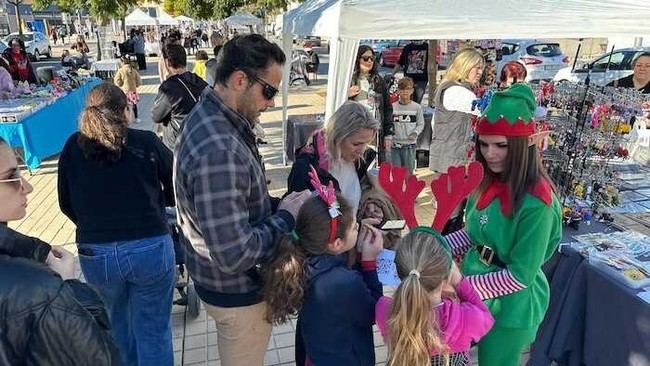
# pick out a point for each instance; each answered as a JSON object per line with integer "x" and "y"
{"x": 459, "y": 242}
{"x": 495, "y": 284}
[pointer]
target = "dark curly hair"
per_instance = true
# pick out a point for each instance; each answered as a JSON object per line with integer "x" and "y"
{"x": 284, "y": 276}
{"x": 103, "y": 126}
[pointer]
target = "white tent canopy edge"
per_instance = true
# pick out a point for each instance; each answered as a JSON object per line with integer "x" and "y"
{"x": 345, "y": 22}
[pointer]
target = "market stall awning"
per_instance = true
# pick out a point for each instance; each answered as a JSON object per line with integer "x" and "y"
{"x": 345, "y": 22}
{"x": 138, "y": 17}
{"x": 165, "y": 19}
{"x": 184, "y": 19}
{"x": 243, "y": 19}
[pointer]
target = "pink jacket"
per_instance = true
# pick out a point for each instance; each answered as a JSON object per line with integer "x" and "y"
{"x": 461, "y": 322}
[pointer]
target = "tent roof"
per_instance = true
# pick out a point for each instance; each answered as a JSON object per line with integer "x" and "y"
{"x": 165, "y": 19}
{"x": 183, "y": 18}
{"x": 138, "y": 17}
{"x": 472, "y": 19}
{"x": 243, "y": 18}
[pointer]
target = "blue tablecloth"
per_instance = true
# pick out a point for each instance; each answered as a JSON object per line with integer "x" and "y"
{"x": 44, "y": 133}
{"x": 592, "y": 319}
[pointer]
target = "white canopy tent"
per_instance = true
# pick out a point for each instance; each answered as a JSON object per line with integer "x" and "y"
{"x": 242, "y": 19}
{"x": 139, "y": 17}
{"x": 165, "y": 19}
{"x": 345, "y": 22}
{"x": 184, "y": 19}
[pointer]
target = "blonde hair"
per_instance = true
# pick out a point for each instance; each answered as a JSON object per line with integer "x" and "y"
{"x": 413, "y": 329}
{"x": 462, "y": 64}
{"x": 348, "y": 119}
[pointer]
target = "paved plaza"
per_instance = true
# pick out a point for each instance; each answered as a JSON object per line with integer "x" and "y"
{"x": 195, "y": 340}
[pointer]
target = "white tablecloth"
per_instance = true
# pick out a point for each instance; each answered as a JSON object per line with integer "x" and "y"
{"x": 105, "y": 65}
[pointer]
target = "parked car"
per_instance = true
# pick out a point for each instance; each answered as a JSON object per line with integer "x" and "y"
{"x": 36, "y": 44}
{"x": 391, "y": 53}
{"x": 378, "y": 45}
{"x": 620, "y": 66}
{"x": 315, "y": 41}
{"x": 542, "y": 59}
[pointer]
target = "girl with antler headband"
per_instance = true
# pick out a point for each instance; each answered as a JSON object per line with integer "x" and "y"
{"x": 419, "y": 325}
{"x": 512, "y": 222}
{"x": 308, "y": 276}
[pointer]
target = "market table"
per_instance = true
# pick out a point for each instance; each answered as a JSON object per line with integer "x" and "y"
{"x": 592, "y": 319}
{"x": 105, "y": 69}
{"x": 44, "y": 133}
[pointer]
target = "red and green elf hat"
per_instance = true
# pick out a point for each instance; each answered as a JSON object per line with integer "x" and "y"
{"x": 510, "y": 113}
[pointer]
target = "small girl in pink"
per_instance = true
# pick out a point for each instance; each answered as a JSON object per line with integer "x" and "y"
{"x": 419, "y": 326}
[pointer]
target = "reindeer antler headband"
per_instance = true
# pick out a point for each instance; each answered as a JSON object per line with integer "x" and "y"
{"x": 328, "y": 195}
{"x": 449, "y": 189}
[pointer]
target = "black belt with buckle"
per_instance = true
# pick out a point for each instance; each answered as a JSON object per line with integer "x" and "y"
{"x": 488, "y": 256}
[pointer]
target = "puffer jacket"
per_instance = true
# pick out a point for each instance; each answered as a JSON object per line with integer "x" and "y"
{"x": 176, "y": 97}
{"x": 45, "y": 320}
{"x": 452, "y": 133}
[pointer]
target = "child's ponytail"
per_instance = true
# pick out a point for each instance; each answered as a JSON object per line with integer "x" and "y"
{"x": 285, "y": 280}
{"x": 413, "y": 330}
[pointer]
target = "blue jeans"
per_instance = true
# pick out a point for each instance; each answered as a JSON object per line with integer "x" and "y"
{"x": 403, "y": 156}
{"x": 136, "y": 280}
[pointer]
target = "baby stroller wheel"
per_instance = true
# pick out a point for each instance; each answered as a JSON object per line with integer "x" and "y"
{"x": 193, "y": 302}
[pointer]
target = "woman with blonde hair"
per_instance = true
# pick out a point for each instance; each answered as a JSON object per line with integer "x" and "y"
{"x": 451, "y": 144}
{"x": 339, "y": 152}
{"x": 419, "y": 326}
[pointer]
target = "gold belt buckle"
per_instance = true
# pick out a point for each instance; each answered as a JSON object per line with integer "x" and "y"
{"x": 486, "y": 252}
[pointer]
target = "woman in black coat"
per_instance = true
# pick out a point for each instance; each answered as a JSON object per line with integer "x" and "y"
{"x": 48, "y": 317}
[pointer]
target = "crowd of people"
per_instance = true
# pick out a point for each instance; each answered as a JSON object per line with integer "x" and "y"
{"x": 258, "y": 260}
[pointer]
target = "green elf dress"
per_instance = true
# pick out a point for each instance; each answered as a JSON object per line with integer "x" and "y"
{"x": 504, "y": 247}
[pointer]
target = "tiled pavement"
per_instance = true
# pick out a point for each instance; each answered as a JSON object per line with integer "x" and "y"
{"x": 195, "y": 339}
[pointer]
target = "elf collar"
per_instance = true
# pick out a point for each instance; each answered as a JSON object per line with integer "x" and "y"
{"x": 541, "y": 190}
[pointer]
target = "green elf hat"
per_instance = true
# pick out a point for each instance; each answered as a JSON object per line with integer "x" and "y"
{"x": 510, "y": 113}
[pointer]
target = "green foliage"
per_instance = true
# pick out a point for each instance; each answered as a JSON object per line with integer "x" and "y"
{"x": 174, "y": 7}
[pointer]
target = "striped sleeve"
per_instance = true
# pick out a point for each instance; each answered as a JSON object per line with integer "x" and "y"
{"x": 459, "y": 242}
{"x": 495, "y": 284}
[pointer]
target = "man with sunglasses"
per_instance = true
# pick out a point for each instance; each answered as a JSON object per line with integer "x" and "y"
{"x": 228, "y": 221}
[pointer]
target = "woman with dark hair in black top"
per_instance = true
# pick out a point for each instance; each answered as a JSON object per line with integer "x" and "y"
{"x": 369, "y": 89}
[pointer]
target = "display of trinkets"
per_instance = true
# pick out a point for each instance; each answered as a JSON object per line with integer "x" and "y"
{"x": 589, "y": 128}
{"x": 624, "y": 254}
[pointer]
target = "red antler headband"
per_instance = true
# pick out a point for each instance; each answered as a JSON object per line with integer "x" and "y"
{"x": 328, "y": 195}
{"x": 449, "y": 189}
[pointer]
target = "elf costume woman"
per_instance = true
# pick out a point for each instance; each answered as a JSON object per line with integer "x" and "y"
{"x": 513, "y": 224}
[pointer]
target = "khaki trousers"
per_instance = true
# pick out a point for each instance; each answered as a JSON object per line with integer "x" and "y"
{"x": 242, "y": 334}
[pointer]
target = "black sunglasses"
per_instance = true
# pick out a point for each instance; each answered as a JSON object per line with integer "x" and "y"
{"x": 268, "y": 90}
{"x": 368, "y": 58}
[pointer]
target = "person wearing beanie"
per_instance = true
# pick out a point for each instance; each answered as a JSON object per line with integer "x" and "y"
{"x": 512, "y": 226}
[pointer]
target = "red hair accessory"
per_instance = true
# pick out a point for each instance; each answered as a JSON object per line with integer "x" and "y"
{"x": 449, "y": 189}
{"x": 328, "y": 195}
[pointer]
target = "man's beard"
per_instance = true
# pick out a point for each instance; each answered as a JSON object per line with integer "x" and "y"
{"x": 247, "y": 108}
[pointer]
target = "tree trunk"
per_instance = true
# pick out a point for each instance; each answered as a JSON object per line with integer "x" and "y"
{"x": 16, "y": 5}
{"x": 432, "y": 69}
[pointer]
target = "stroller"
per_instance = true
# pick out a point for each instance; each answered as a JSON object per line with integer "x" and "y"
{"x": 189, "y": 298}
{"x": 299, "y": 73}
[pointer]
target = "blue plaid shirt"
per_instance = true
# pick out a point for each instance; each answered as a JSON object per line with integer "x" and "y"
{"x": 224, "y": 210}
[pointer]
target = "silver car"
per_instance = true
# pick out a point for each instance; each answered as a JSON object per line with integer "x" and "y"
{"x": 604, "y": 69}
{"x": 36, "y": 44}
{"x": 542, "y": 59}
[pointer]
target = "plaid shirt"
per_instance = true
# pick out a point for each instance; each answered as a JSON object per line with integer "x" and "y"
{"x": 224, "y": 209}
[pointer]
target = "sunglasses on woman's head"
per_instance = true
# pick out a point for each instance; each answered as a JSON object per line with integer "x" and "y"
{"x": 15, "y": 179}
{"x": 268, "y": 90}
{"x": 368, "y": 58}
